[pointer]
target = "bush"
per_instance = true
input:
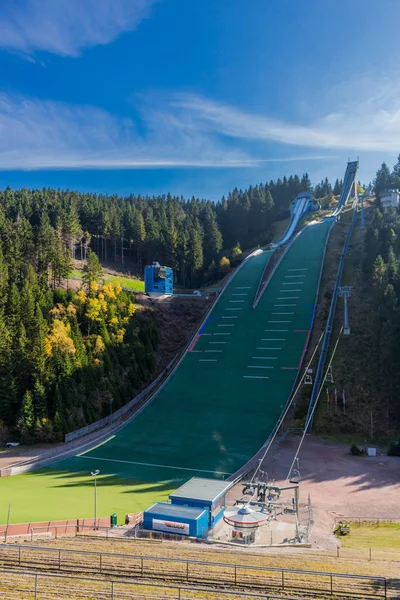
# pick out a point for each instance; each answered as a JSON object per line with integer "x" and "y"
{"x": 394, "y": 448}
{"x": 355, "y": 450}
{"x": 224, "y": 265}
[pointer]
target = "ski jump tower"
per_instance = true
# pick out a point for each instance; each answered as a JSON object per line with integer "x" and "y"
{"x": 349, "y": 186}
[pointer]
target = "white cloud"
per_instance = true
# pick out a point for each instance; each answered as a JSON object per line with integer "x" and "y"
{"x": 67, "y": 27}
{"x": 42, "y": 134}
{"x": 371, "y": 124}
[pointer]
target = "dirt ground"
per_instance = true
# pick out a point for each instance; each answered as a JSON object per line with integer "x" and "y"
{"x": 10, "y": 456}
{"x": 339, "y": 484}
{"x": 345, "y": 485}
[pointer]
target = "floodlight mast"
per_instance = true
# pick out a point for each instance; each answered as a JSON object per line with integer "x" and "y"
{"x": 94, "y": 474}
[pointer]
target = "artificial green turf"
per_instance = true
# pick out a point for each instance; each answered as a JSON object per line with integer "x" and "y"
{"x": 209, "y": 418}
{"x": 51, "y": 494}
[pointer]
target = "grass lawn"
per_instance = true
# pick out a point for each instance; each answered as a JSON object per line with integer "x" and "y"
{"x": 384, "y": 535}
{"x": 49, "y": 494}
{"x": 135, "y": 285}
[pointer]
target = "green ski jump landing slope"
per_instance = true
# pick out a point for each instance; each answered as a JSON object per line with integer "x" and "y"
{"x": 214, "y": 413}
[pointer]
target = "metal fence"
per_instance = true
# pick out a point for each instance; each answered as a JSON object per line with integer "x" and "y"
{"x": 194, "y": 571}
{"x": 35, "y": 586}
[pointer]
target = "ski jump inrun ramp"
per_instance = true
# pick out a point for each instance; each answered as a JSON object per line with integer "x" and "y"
{"x": 221, "y": 404}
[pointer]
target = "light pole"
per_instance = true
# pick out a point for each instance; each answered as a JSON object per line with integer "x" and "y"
{"x": 94, "y": 474}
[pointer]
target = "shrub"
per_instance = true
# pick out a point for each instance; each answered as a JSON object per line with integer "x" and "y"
{"x": 355, "y": 450}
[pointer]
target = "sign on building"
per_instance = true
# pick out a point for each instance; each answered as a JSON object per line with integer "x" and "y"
{"x": 171, "y": 526}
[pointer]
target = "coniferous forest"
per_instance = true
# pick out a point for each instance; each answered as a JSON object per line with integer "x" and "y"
{"x": 66, "y": 355}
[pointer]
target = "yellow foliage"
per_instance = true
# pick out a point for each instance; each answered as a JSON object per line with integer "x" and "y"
{"x": 124, "y": 321}
{"x": 94, "y": 287}
{"x": 58, "y": 311}
{"x": 97, "y": 362}
{"x": 58, "y": 339}
{"x": 117, "y": 288}
{"x": 118, "y": 337}
{"x": 93, "y": 309}
{"x": 80, "y": 297}
{"x": 131, "y": 309}
{"x": 114, "y": 321}
{"x": 99, "y": 346}
{"x": 108, "y": 291}
{"x": 71, "y": 310}
{"x": 100, "y": 296}
{"x": 103, "y": 305}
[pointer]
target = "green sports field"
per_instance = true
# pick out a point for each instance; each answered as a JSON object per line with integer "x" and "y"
{"x": 214, "y": 413}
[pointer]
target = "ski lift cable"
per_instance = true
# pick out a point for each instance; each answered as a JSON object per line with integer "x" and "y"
{"x": 283, "y": 416}
{"x": 314, "y": 407}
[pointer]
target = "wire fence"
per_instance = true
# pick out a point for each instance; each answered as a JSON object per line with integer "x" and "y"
{"x": 34, "y": 586}
{"x": 193, "y": 572}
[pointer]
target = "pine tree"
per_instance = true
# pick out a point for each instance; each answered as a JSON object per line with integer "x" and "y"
{"x": 26, "y": 419}
{"x": 92, "y": 271}
{"x": 337, "y": 188}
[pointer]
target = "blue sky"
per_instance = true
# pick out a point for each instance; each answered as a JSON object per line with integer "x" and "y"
{"x": 195, "y": 96}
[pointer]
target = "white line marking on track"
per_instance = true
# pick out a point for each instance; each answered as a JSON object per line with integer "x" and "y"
{"x": 233, "y": 309}
{"x": 232, "y": 317}
{"x": 213, "y": 350}
{"x": 285, "y": 304}
{"x": 143, "y": 464}
{"x": 221, "y": 334}
{"x": 286, "y": 298}
{"x": 268, "y": 340}
{"x": 279, "y": 321}
{"x": 288, "y": 292}
{"x": 243, "y": 294}
{"x": 254, "y": 377}
{"x": 294, "y": 283}
{"x": 282, "y": 313}
{"x": 274, "y": 330}
{"x": 225, "y": 325}
{"x": 236, "y": 301}
{"x": 297, "y": 269}
{"x": 242, "y": 287}
{"x": 217, "y": 342}
{"x": 259, "y": 348}
{"x": 207, "y": 360}
{"x": 292, "y": 276}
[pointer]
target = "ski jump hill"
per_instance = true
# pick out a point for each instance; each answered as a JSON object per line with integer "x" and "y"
{"x": 221, "y": 403}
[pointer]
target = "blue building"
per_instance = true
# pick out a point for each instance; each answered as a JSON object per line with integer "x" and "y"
{"x": 195, "y": 508}
{"x": 208, "y": 494}
{"x": 158, "y": 280}
{"x": 171, "y": 518}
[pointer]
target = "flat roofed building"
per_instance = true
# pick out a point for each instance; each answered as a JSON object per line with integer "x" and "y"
{"x": 203, "y": 493}
{"x": 172, "y": 518}
{"x": 390, "y": 198}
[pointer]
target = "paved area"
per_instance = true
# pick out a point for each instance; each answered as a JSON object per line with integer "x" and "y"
{"x": 344, "y": 485}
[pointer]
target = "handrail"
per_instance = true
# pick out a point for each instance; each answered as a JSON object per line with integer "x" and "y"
{"x": 329, "y": 323}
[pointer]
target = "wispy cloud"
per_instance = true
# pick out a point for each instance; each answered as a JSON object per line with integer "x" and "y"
{"x": 42, "y": 134}
{"x": 67, "y": 27}
{"x": 37, "y": 134}
{"x": 371, "y": 124}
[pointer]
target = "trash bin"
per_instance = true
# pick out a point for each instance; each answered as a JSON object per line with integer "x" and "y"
{"x": 113, "y": 520}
